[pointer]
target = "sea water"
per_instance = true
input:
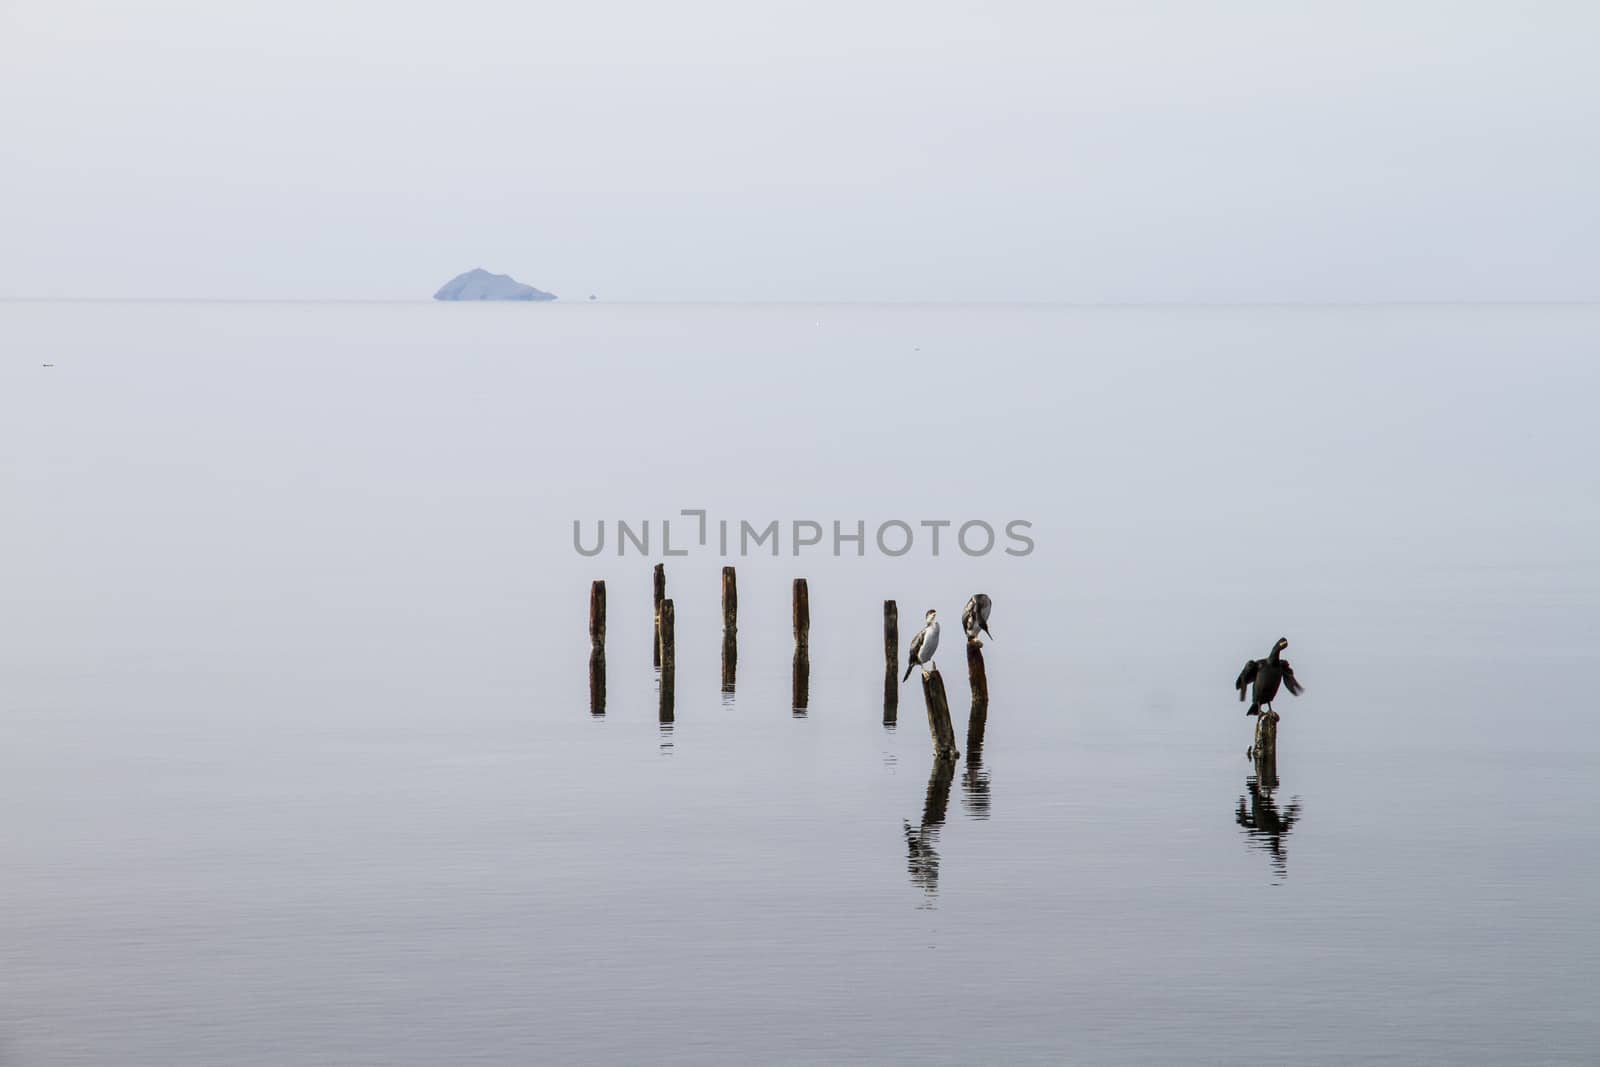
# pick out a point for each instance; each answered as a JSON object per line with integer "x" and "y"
{"x": 298, "y": 763}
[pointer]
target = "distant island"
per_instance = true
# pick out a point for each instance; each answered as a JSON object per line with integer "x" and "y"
{"x": 479, "y": 284}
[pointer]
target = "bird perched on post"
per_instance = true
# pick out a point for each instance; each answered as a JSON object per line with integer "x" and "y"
{"x": 975, "y": 616}
{"x": 924, "y": 645}
{"x": 1263, "y": 676}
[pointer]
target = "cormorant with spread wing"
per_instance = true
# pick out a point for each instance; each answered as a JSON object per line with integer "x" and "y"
{"x": 1263, "y": 676}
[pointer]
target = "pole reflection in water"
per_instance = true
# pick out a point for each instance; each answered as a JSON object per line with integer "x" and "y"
{"x": 974, "y": 779}
{"x": 1265, "y": 824}
{"x": 667, "y": 715}
{"x": 922, "y": 855}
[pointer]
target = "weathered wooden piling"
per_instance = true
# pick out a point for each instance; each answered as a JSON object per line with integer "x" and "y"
{"x": 597, "y": 648}
{"x": 802, "y": 682}
{"x": 597, "y": 683}
{"x": 802, "y": 615}
{"x": 891, "y": 662}
{"x": 597, "y": 616}
{"x": 659, "y": 581}
{"x": 669, "y": 652}
{"x": 802, "y": 647}
{"x": 939, "y": 725}
{"x": 974, "y": 782}
{"x": 1266, "y": 739}
{"x": 669, "y": 661}
{"x": 730, "y": 629}
{"x": 977, "y": 675}
{"x": 730, "y": 601}
{"x": 891, "y": 637}
{"x": 730, "y": 661}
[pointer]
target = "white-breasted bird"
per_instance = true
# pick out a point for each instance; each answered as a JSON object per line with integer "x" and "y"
{"x": 975, "y": 616}
{"x": 924, "y": 645}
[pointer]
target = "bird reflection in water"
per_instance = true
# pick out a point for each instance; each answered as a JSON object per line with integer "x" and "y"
{"x": 922, "y": 855}
{"x": 1265, "y": 824}
{"x": 975, "y": 780}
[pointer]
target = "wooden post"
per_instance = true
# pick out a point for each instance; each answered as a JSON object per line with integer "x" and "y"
{"x": 802, "y": 615}
{"x": 802, "y": 682}
{"x": 1266, "y": 740}
{"x": 669, "y": 661}
{"x": 730, "y": 629}
{"x": 891, "y": 637}
{"x": 802, "y": 647}
{"x": 978, "y": 676}
{"x": 891, "y": 662}
{"x": 597, "y": 648}
{"x": 730, "y": 601}
{"x": 597, "y": 617}
{"x": 669, "y": 652}
{"x": 659, "y": 580}
{"x": 939, "y": 726}
{"x": 974, "y": 780}
{"x": 730, "y": 661}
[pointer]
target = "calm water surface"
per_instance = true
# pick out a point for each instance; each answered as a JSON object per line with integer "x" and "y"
{"x": 297, "y": 764}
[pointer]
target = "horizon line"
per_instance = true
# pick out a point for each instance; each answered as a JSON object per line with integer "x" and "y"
{"x": 584, "y": 302}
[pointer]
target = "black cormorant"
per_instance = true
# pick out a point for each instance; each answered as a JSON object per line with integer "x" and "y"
{"x": 1263, "y": 675}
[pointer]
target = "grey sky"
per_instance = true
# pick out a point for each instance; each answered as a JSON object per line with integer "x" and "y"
{"x": 752, "y": 151}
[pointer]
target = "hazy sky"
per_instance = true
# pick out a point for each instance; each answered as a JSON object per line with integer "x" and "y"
{"x": 706, "y": 150}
